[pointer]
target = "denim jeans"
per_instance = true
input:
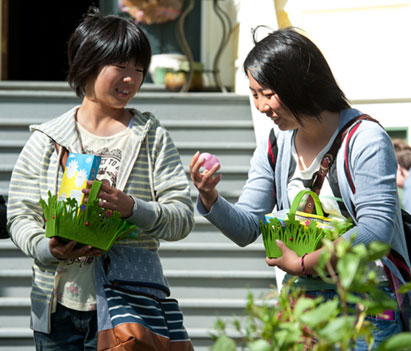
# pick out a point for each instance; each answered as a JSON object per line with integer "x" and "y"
{"x": 70, "y": 331}
{"x": 384, "y": 328}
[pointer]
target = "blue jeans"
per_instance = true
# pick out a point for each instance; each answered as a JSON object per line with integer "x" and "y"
{"x": 384, "y": 328}
{"x": 70, "y": 331}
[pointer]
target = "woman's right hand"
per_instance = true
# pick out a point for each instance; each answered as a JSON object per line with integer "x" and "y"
{"x": 68, "y": 250}
{"x": 206, "y": 181}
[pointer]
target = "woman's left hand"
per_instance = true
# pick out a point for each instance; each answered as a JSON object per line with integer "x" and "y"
{"x": 113, "y": 199}
{"x": 289, "y": 262}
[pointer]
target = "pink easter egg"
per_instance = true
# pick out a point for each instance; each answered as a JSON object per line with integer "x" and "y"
{"x": 210, "y": 160}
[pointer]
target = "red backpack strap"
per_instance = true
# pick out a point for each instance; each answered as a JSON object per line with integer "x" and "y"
{"x": 351, "y": 128}
{"x": 272, "y": 153}
{"x": 272, "y": 149}
{"x": 327, "y": 162}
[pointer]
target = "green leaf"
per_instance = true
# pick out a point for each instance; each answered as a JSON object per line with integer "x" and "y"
{"x": 342, "y": 248}
{"x": 259, "y": 345}
{"x": 347, "y": 267}
{"x": 219, "y": 324}
{"x": 405, "y": 288}
{"x": 302, "y": 305}
{"x": 322, "y": 313}
{"x": 360, "y": 250}
{"x": 337, "y": 329}
{"x": 224, "y": 343}
{"x": 398, "y": 342}
{"x": 288, "y": 335}
{"x": 328, "y": 245}
{"x": 377, "y": 250}
{"x": 379, "y": 302}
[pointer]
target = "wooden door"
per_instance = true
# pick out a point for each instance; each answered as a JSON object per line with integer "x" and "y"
{"x": 3, "y": 38}
{"x": 37, "y": 36}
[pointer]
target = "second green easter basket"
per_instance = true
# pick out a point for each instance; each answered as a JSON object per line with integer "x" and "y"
{"x": 301, "y": 232}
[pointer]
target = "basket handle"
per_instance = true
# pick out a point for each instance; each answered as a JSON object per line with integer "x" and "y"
{"x": 298, "y": 198}
{"x": 94, "y": 190}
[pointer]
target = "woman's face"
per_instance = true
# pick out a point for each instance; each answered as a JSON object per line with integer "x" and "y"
{"x": 268, "y": 102}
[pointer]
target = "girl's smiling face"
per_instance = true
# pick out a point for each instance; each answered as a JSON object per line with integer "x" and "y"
{"x": 268, "y": 102}
{"x": 115, "y": 84}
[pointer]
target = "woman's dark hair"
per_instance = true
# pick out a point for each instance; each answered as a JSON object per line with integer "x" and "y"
{"x": 103, "y": 40}
{"x": 290, "y": 64}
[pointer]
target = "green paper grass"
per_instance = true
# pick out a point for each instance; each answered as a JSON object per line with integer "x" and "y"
{"x": 87, "y": 224}
{"x": 296, "y": 236}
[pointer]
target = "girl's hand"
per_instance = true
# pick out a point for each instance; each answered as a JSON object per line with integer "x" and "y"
{"x": 205, "y": 182}
{"x": 68, "y": 250}
{"x": 289, "y": 262}
{"x": 113, "y": 199}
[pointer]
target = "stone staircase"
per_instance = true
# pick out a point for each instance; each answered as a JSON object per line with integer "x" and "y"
{"x": 208, "y": 274}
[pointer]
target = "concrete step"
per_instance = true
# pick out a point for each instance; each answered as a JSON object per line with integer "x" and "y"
{"x": 31, "y": 104}
{"x": 183, "y": 283}
{"x": 202, "y": 248}
{"x": 198, "y": 312}
{"x": 213, "y": 256}
{"x": 197, "y": 130}
{"x": 200, "y": 316}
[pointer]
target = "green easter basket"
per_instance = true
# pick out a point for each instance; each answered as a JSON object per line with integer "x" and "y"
{"x": 299, "y": 231}
{"x": 87, "y": 224}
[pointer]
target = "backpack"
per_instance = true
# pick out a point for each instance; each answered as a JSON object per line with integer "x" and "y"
{"x": 3, "y": 219}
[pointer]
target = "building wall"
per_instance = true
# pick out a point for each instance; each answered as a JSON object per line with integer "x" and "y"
{"x": 365, "y": 42}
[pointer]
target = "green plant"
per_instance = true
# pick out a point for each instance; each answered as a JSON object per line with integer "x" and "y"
{"x": 291, "y": 321}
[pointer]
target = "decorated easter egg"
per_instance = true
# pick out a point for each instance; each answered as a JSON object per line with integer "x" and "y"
{"x": 209, "y": 160}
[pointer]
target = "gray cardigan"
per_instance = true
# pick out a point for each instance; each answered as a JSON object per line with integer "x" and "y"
{"x": 37, "y": 171}
{"x": 372, "y": 164}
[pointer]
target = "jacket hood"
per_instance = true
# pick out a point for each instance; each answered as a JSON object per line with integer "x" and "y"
{"x": 64, "y": 132}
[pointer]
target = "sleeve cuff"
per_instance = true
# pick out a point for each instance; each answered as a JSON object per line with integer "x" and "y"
{"x": 143, "y": 213}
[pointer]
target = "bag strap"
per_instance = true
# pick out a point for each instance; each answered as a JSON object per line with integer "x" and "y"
{"x": 347, "y": 150}
{"x": 313, "y": 195}
{"x": 3, "y": 219}
{"x": 329, "y": 158}
{"x": 272, "y": 153}
{"x": 64, "y": 155}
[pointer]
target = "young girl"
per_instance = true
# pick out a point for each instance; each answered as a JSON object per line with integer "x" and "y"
{"x": 291, "y": 83}
{"x": 143, "y": 179}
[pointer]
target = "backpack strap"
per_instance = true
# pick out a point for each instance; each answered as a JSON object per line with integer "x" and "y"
{"x": 328, "y": 160}
{"x": 272, "y": 154}
{"x": 355, "y": 123}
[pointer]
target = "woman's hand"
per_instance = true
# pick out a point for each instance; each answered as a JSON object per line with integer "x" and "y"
{"x": 69, "y": 250}
{"x": 205, "y": 182}
{"x": 112, "y": 199}
{"x": 289, "y": 262}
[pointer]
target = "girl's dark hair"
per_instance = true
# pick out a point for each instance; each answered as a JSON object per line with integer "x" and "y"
{"x": 290, "y": 64}
{"x": 103, "y": 40}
